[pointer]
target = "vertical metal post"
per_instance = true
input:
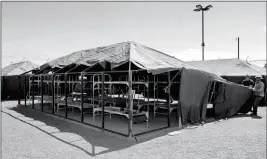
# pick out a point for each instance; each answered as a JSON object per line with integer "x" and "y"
{"x": 53, "y": 94}
{"x": 203, "y": 44}
{"x": 25, "y": 90}
{"x": 33, "y": 92}
{"x": 102, "y": 101}
{"x": 42, "y": 94}
{"x": 178, "y": 105}
{"x": 66, "y": 97}
{"x": 82, "y": 98}
{"x": 130, "y": 100}
{"x": 148, "y": 99}
{"x": 154, "y": 90}
{"x": 237, "y": 47}
{"x": 169, "y": 92}
{"x": 19, "y": 90}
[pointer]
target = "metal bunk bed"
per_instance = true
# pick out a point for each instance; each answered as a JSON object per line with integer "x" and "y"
{"x": 113, "y": 99}
{"x": 74, "y": 98}
{"x": 162, "y": 103}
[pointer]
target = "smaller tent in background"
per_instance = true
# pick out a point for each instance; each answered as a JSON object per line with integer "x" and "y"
{"x": 233, "y": 70}
{"x": 12, "y": 86}
{"x": 18, "y": 68}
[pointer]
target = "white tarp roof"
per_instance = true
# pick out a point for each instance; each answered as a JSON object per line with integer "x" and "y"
{"x": 117, "y": 54}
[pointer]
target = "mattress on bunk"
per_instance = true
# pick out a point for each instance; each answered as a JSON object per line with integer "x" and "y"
{"x": 75, "y": 104}
{"x": 79, "y": 104}
{"x": 117, "y": 101}
{"x": 47, "y": 98}
{"x": 117, "y": 110}
{"x": 37, "y": 97}
{"x": 174, "y": 104}
{"x": 78, "y": 93}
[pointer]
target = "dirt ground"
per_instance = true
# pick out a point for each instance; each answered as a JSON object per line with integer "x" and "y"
{"x": 30, "y": 134}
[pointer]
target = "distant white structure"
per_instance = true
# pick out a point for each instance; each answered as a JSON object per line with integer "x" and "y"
{"x": 18, "y": 68}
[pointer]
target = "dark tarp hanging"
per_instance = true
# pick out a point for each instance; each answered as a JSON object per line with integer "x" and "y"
{"x": 239, "y": 79}
{"x": 194, "y": 92}
{"x": 193, "y": 98}
{"x": 232, "y": 98}
{"x": 13, "y": 87}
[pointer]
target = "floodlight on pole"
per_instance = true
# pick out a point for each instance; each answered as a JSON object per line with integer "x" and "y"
{"x": 202, "y": 9}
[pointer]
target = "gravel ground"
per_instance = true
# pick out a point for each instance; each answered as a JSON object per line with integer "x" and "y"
{"x": 28, "y": 134}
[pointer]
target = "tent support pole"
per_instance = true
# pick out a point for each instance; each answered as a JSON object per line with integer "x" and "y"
{"x": 33, "y": 92}
{"x": 82, "y": 99}
{"x": 25, "y": 90}
{"x": 147, "y": 99}
{"x": 178, "y": 108}
{"x": 71, "y": 69}
{"x": 66, "y": 97}
{"x": 42, "y": 94}
{"x": 130, "y": 100}
{"x": 19, "y": 90}
{"x": 65, "y": 67}
{"x": 169, "y": 92}
{"x": 53, "y": 95}
{"x": 86, "y": 69}
{"x": 102, "y": 101}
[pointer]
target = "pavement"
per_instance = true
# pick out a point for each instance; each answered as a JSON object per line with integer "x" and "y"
{"x": 28, "y": 134}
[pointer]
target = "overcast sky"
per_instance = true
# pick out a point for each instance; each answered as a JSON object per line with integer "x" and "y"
{"x": 41, "y": 31}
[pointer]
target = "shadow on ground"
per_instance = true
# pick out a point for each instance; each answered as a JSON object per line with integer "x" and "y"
{"x": 93, "y": 142}
{"x": 99, "y": 142}
{"x": 247, "y": 115}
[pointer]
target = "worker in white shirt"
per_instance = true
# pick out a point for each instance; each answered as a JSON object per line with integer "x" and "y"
{"x": 258, "y": 92}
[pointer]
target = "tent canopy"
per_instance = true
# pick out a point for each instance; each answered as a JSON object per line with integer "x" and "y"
{"x": 117, "y": 54}
{"x": 229, "y": 67}
{"x": 18, "y": 68}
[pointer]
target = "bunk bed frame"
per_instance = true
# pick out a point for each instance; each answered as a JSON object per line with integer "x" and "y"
{"x": 104, "y": 102}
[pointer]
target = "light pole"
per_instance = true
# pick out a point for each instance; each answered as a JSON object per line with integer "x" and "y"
{"x": 202, "y": 9}
{"x": 237, "y": 47}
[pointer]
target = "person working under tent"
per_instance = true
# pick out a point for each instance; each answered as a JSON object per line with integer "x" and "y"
{"x": 258, "y": 92}
{"x": 248, "y": 82}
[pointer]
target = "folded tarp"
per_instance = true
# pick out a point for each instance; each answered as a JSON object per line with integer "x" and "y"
{"x": 193, "y": 98}
{"x": 231, "y": 99}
